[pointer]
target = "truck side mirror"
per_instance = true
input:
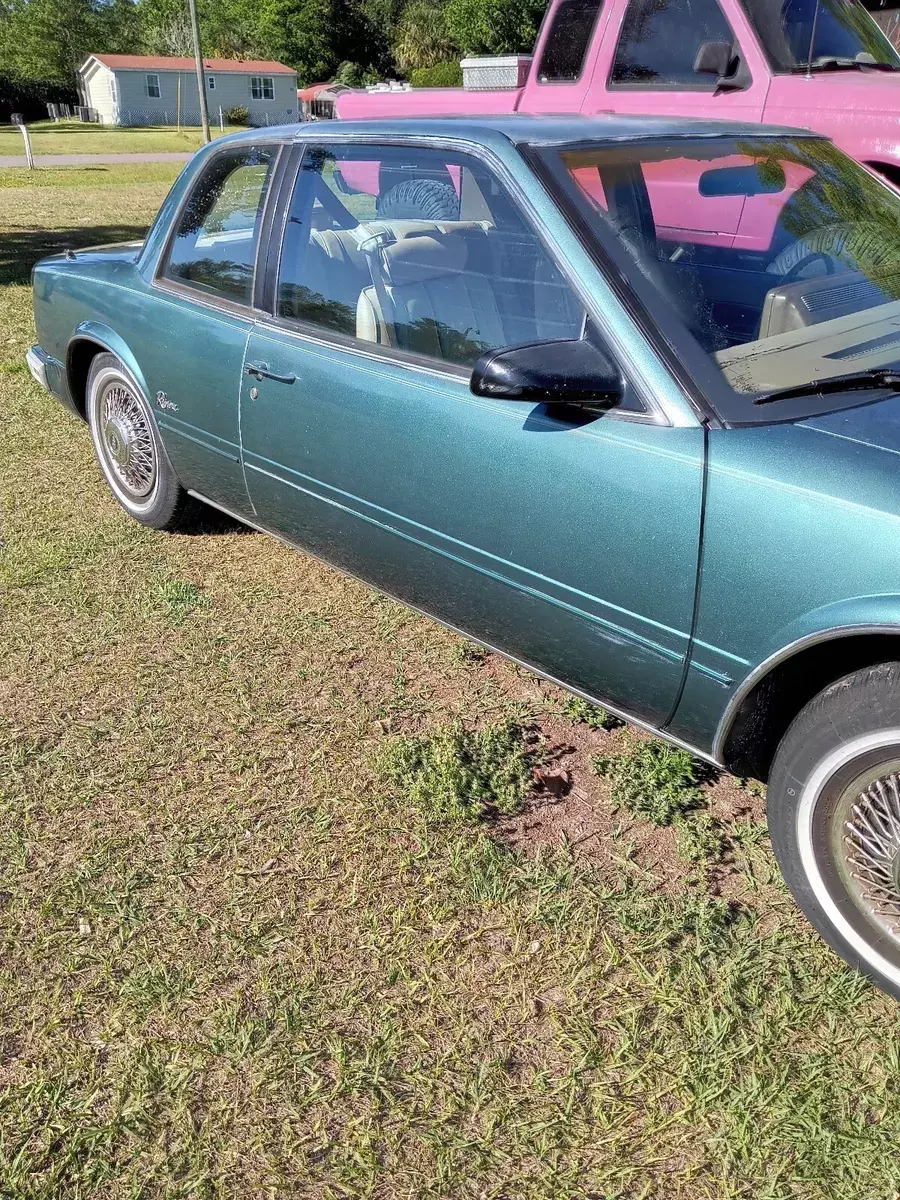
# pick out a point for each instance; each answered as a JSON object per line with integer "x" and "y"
{"x": 722, "y": 60}
{"x": 713, "y": 58}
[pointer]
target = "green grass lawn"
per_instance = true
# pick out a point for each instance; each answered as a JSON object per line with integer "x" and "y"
{"x": 74, "y": 137}
{"x": 284, "y": 912}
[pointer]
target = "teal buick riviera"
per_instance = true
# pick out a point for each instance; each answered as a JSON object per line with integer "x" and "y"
{"x": 614, "y": 396}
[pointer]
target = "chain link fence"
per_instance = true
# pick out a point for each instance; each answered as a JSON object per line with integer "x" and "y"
{"x": 191, "y": 116}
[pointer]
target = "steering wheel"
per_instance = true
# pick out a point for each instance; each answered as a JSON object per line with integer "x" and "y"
{"x": 793, "y": 272}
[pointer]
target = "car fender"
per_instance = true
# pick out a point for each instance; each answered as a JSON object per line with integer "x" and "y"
{"x": 96, "y": 331}
{"x": 860, "y": 615}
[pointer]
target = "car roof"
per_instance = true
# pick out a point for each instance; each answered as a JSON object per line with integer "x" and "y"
{"x": 535, "y": 129}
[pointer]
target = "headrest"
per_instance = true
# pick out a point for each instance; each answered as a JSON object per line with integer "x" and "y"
{"x": 415, "y": 259}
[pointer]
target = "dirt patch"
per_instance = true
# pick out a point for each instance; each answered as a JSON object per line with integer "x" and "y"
{"x": 571, "y": 805}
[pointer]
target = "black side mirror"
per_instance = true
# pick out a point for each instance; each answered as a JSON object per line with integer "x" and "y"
{"x": 721, "y": 60}
{"x": 560, "y": 372}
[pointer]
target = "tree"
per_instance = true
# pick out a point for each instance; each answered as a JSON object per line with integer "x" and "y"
{"x": 422, "y": 39}
{"x": 316, "y": 36}
{"x": 50, "y": 39}
{"x": 173, "y": 38}
{"x": 382, "y": 15}
{"x": 228, "y": 28}
{"x": 493, "y": 26}
{"x": 299, "y": 33}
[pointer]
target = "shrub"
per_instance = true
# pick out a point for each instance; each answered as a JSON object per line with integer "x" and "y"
{"x": 31, "y": 96}
{"x": 447, "y": 74}
{"x": 652, "y": 780}
{"x": 239, "y": 115}
{"x": 458, "y": 774}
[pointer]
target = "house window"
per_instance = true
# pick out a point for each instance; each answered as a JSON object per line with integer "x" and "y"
{"x": 153, "y": 86}
{"x": 211, "y": 82}
{"x": 262, "y": 87}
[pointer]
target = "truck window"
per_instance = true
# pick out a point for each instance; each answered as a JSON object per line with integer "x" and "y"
{"x": 660, "y": 39}
{"x": 568, "y": 40}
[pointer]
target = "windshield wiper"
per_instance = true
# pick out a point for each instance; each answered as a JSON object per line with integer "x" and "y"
{"x": 829, "y": 63}
{"x": 876, "y": 380}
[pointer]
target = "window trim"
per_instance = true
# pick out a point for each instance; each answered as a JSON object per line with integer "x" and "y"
{"x": 701, "y": 86}
{"x": 262, "y": 80}
{"x": 584, "y": 59}
{"x": 157, "y": 95}
{"x": 209, "y": 299}
{"x": 654, "y": 412}
{"x": 211, "y": 83}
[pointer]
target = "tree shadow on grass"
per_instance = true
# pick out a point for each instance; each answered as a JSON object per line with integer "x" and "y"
{"x": 20, "y": 250}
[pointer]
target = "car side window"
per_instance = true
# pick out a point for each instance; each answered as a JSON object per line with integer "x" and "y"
{"x": 562, "y": 59}
{"x": 214, "y": 245}
{"x": 419, "y": 250}
{"x": 660, "y": 39}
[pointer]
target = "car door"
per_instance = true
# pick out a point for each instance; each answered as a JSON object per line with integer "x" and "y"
{"x": 568, "y": 541}
{"x": 191, "y": 341}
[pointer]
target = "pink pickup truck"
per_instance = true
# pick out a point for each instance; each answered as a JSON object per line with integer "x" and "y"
{"x": 819, "y": 64}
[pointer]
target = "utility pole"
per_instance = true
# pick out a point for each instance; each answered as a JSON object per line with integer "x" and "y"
{"x": 198, "y": 58}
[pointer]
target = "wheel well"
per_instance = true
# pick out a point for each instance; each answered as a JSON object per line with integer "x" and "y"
{"x": 80, "y": 356}
{"x": 890, "y": 171}
{"x": 771, "y": 705}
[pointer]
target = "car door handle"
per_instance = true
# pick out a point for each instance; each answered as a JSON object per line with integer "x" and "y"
{"x": 261, "y": 371}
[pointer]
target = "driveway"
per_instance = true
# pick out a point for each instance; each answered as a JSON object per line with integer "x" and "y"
{"x": 89, "y": 160}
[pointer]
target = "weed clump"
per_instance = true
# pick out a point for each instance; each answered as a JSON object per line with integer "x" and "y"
{"x": 461, "y": 775}
{"x": 652, "y": 780}
{"x": 178, "y": 598}
{"x": 465, "y": 651}
{"x": 702, "y": 839}
{"x": 582, "y": 712}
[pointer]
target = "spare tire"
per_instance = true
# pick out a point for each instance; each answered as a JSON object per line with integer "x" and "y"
{"x": 859, "y": 247}
{"x": 420, "y": 200}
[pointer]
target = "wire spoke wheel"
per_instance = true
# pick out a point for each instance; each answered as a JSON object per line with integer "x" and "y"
{"x": 869, "y": 849}
{"x": 854, "y": 848}
{"x": 129, "y": 448}
{"x": 833, "y": 810}
{"x": 126, "y": 440}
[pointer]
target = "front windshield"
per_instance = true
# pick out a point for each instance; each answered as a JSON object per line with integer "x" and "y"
{"x": 820, "y": 35}
{"x": 780, "y": 257}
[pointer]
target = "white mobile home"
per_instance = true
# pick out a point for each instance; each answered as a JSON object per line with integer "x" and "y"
{"x": 137, "y": 89}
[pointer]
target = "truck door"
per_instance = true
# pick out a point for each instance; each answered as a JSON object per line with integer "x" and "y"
{"x": 645, "y": 64}
{"x": 646, "y": 61}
